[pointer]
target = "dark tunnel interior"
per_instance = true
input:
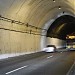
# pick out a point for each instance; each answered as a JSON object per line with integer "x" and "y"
{"x": 62, "y": 27}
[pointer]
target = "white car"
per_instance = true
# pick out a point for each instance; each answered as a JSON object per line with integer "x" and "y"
{"x": 50, "y": 48}
{"x": 72, "y": 49}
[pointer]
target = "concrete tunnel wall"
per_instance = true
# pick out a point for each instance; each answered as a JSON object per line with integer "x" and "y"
{"x": 14, "y": 43}
{"x": 57, "y": 42}
{"x": 33, "y": 12}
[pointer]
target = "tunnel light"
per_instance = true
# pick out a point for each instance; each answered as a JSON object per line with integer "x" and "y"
{"x": 71, "y": 37}
{"x": 59, "y": 7}
{"x": 54, "y": 1}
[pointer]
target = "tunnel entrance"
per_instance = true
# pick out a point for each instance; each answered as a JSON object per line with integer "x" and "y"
{"x": 60, "y": 28}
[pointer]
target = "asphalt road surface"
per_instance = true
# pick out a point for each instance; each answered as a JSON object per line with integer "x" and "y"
{"x": 41, "y": 63}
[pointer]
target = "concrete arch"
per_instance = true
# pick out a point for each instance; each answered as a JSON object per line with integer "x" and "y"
{"x": 46, "y": 26}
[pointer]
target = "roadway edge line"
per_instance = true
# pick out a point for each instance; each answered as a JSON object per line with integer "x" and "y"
{"x": 16, "y": 69}
{"x": 70, "y": 69}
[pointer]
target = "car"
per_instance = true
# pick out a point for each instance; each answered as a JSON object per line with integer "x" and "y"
{"x": 50, "y": 48}
{"x": 72, "y": 49}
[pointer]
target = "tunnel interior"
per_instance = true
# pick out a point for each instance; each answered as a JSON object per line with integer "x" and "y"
{"x": 62, "y": 27}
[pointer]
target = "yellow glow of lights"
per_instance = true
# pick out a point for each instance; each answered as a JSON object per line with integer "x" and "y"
{"x": 71, "y": 37}
{"x": 53, "y": 0}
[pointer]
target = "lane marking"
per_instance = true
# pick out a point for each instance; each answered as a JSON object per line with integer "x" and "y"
{"x": 50, "y": 57}
{"x": 16, "y": 70}
{"x": 70, "y": 70}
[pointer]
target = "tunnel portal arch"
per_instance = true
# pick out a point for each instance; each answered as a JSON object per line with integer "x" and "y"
{"x": 49, "y": 24}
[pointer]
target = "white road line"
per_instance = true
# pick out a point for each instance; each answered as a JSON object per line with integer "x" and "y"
{"x": 50, "y": 57}
{"x": 70, "y": 69}
{"x": 16, "y": 69}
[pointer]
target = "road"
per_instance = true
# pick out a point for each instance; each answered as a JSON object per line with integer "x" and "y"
{"x": 42, "y": 63}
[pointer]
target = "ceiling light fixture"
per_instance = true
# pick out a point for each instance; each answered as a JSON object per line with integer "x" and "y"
{"x": 53, "y": 0}
{"x": 59, "y": 7}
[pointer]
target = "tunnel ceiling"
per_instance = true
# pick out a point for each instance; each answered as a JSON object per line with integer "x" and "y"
{"x": 62, "y": 26}
{"x": 35, "y": 12}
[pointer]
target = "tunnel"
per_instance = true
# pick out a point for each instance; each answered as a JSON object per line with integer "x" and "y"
{"x": 28, "y": 26}
{"x": 37, "y": 37}
{"x": 59, "y": 29}
{"x": 62, "y": 26}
